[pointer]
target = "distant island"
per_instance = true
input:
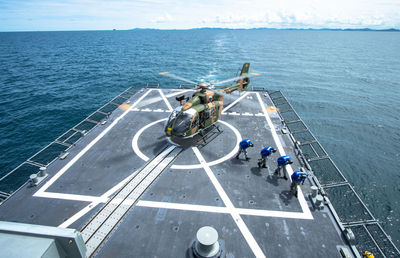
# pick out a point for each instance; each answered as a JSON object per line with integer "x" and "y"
{"x": 302, "y": 29}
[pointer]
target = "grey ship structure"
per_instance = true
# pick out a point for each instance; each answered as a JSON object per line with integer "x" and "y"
{"x": 113, "y": 186}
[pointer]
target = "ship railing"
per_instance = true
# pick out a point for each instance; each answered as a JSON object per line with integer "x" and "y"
{"x": 348, "y": 209}
{"x": 153, "y": 85}
{"x": 3, "y": 196}
{"x": 186, "y": 86}
{"x": 18, "y": 177}
{"x": 258, "y": 88}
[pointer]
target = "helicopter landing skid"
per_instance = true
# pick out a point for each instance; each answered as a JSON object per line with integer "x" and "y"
{"x": 208, "y": 135}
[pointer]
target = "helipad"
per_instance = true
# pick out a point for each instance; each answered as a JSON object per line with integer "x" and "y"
{"x": 253, "y": 211}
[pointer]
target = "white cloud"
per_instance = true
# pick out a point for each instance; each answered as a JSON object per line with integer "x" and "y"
{"x": 301, "y": 19}
{"x": 162, "y": 19}
{"x": 179, "y": 14}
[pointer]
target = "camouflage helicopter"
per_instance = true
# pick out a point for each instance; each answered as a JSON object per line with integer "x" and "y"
{"x": 204, "y": 108}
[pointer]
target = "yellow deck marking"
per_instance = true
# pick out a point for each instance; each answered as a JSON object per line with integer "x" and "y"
{"x": 125, "y": 106}
{"x": 272, "y": 109}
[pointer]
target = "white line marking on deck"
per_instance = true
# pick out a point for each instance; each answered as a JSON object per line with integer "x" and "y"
{"x": 135, "y": 139}
{"x": 183, "y": 206}
{"x": 102, "y": 199}
{"x": 272, "y": 213}
{"x": 88, "y": 147}
{"x": 138, "y": 152}
{"x": 165, "y": 100}
{"x": 282, "y": 152}
{"x": 78, "y": 215}
{"x": 233, "y": 103}
{"x": 218, "y": 209}
{"x": 73, "y": 197}
{"x": 235, "y": 215}
{"x": 157, "y": 99}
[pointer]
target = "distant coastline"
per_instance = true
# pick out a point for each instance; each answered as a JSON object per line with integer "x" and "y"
{"x": 213, "y": 28}
{"x": 302, "y": 29}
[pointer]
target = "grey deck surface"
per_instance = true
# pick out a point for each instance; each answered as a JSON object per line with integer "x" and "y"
{"x": 151, "y": 230}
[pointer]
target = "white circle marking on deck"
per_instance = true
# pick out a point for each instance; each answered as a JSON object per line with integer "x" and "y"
{"x": 138, "y": 152}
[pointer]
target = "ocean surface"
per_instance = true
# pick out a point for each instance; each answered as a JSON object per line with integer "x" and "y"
{"x": 345, "y": 86}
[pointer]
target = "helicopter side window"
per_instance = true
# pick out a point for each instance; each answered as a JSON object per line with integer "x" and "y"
{"x": 212, "y": 111}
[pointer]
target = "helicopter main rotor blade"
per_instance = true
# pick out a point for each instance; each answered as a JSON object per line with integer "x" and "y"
{"x": 171, "y": 75}
{"x": 236, "y": 78}
{"x": 229, "y": 80}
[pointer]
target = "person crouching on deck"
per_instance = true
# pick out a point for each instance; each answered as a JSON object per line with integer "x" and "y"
{"x": 283, "y": 161}
{"x": 264, "y": 156}
{"x": 243, "y": 145}
{"x": 298, "y": 178}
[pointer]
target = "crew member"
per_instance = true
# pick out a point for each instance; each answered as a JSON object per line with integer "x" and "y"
{"x": 264, "y": 155}
{"x": 282, "y": 162}
{"x": 368, "y": 254}
{"x": 243, "y": 145}
{"x": 297, "y": 177}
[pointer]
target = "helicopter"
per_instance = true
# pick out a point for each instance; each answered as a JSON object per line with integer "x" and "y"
{"x": 205, "y": 106}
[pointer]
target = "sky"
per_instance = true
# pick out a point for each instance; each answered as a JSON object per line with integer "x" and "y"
{"x": 44, "y": 15}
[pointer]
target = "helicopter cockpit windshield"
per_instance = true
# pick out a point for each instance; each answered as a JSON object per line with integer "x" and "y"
{"x": 174, "y": 114}
{"x": 183, "y": 121}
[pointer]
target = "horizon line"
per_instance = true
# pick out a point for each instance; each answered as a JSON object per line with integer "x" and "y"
{"x": 218, "y": 28}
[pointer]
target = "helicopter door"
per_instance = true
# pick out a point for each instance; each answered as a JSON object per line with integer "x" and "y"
{"x": 217, "y": 110}
{"x": 195, "y": 121}
{"x": 212, "y": 114}
{"x": 212, "y": 111}
{"x": 204, "y": 115}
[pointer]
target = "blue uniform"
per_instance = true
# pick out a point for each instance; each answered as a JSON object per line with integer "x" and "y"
{"x": 243, "y": 145}
{"x": 297, "y": 178}
{"x": 264, "y": 155}
{"x": 267, "y": 151}
{"x": 282, "y": 162}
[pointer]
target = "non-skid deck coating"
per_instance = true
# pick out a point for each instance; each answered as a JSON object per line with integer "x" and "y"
{"x": 253, "y": 211}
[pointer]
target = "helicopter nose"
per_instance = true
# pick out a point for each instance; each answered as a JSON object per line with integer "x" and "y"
{"x": 168, "y": 130}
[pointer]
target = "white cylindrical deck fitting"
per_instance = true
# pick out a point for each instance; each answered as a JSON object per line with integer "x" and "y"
{"x": 318, "y": 200}
{"x": 33, "y": 178}
{"x": 207, "y": 242}
{"x": 42, "y": 172}
{"x": 314, "y": 191}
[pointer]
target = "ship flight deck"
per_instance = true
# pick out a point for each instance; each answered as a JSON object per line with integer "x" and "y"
{"x": 133, "y": 193}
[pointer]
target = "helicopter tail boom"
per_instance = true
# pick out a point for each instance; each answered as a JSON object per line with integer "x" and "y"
{"x": 242, "y": 82}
